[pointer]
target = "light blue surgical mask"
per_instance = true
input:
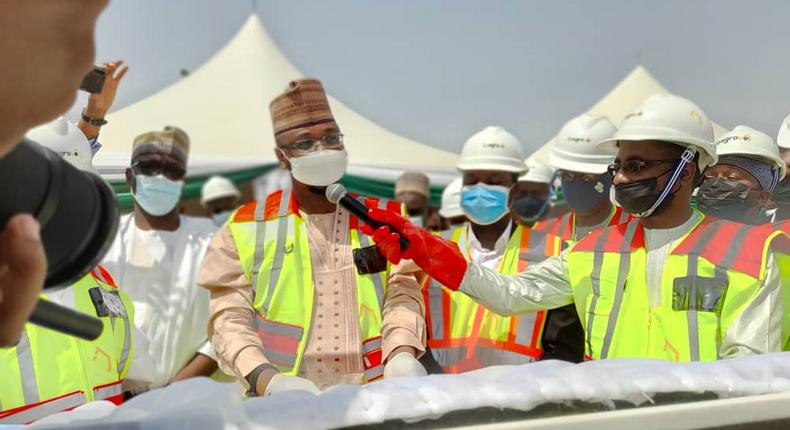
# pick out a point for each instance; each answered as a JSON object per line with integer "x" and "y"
{"x": 484, "y": 204}
{"x": 157, "y": 195}
{"x": 220, "y": 218}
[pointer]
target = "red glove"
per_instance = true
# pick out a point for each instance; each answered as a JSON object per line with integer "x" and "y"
{"x": 439, "y": 258}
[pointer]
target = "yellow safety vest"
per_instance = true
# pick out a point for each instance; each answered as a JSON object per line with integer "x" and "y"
{"x": 49, "y": 372}
{"x": 463, "y": 335}
{"x": 274, "y": 252}
{"x": 707, "y": 278}
{"x": 782, "y": 256}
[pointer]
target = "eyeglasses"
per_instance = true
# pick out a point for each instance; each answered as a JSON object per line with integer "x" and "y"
{"x": 568, "y": 176}
{"x": 635, "y": 166}
{"x": 172, "y": 171}
{"x": 331, "y": 141}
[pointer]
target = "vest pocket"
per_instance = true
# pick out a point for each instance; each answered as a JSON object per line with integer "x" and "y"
{"x": 698, "y": 294}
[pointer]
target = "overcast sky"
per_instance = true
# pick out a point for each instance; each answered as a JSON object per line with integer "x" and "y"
{"x": 438, "y": 71}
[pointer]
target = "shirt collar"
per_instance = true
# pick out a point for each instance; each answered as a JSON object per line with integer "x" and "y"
{"x": 499, "y": 246}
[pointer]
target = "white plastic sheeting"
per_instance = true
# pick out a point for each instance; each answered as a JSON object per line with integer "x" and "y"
{"x": 202, "y": 403}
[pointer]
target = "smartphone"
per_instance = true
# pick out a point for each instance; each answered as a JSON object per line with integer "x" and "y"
{"x": 94, "y": 80}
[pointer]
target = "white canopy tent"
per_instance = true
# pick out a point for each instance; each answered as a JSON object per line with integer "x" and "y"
{"x": 224, "y": 107}
{"x": 620, "y": 101}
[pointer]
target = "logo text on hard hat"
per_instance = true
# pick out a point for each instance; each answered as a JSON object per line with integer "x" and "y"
{"x": 494, "y": 145}
{"x": 727, "y": 139}
{"x": 633, "y": 114}
{"x": 578, "y": 139}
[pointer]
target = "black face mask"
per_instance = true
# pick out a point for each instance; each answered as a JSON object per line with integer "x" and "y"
{"x": 781, "y": 194}
{"x": 528, "y": 208}
{"x": 724, "y": 198}
{"x": 640, "y": 196}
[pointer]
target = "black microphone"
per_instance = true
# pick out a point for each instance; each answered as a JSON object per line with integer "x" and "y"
{"x": 338, "y": 195}
{"x": 66, "y": 320}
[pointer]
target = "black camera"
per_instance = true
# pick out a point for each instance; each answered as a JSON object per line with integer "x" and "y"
{"x": 78, "y": 214}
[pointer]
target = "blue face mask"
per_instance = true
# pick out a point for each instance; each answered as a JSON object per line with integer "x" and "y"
{"x": 528, "y": 208}
{"x": 157, "y": 195}
{"x": 484, "y": 204}
{"x": 583, "y": 196}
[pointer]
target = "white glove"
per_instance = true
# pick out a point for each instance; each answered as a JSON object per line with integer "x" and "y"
{"x": 280, "y": 383}
{"x": 403, "y": 364}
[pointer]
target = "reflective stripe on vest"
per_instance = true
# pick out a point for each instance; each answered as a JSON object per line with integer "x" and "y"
{"x": 282, "y": 325}
{"x": 459, "y": 327}
{"x": 622, "y": 275}
{"x": 33, "y": 412}
{"x": 564, "y": 226}
{"x": 27, "y": 370}
{"x": 372, "y": 359}
{"x": 702, "y": 292}
{"x": 110, "y": 392}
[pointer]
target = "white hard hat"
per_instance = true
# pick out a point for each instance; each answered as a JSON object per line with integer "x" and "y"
{"x": 537, "y": 172}
{"x": 493, "y": 148}
{"x": 217, "y": 187}
{"x": 451, "y": 199}
{"x": 783, "y": 137}
{"x": 669, "y": 118}
{"x": 751, "y": 143}
{"x": 67, "y": 140}
{"x": 576, "y": 145}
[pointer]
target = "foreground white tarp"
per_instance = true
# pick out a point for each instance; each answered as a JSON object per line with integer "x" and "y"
{"x": 202, "y": 403}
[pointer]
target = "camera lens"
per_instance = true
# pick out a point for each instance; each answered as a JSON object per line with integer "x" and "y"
{"x": 77, "y": 210}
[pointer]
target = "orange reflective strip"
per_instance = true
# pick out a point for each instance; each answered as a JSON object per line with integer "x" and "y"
{"x": 272, "y": 206}
{"x": 472, "y": 340}
{"x": 511, "y": 334}
{"x": 690, "y": 241}
{"x": 103, "y": 275}
{"x": 537, "y": 329}
{"x": 246, "y": 212}
{"x": 526, "y": 234}
{"x": 750, "y": 257}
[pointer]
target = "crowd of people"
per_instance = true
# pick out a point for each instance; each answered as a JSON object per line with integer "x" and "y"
{"x": 648, "y": 240}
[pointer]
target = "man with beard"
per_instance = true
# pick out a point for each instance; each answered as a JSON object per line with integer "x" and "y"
{"x": 666, "y": 285}
{"x": 289, "y": 309}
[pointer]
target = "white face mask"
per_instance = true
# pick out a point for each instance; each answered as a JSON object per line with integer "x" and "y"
{"x": 319, "y": 168}
{"x": 219, "y": 218}
{"x": 416, "y": 220}
{"x": 157, "y": 195}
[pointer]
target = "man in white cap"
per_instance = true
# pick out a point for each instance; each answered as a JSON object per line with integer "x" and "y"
{"x": 156, "y": 256}
{"x": 739, "y": 186}
{"x": 463, "y": 335}
{"x": 781, "y": 194}
{"x": 450, "y": 211}
{"x": 581, "y": 167}
{"x": 529, "y": 200}
{"x": 299, "y": 300}
{"x": 220, "y": 197}
{"x": 667, "y": 285}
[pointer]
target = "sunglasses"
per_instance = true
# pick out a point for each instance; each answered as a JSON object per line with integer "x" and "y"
{"x": 171, "y": 171}
{"x": 636, "y": 166}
